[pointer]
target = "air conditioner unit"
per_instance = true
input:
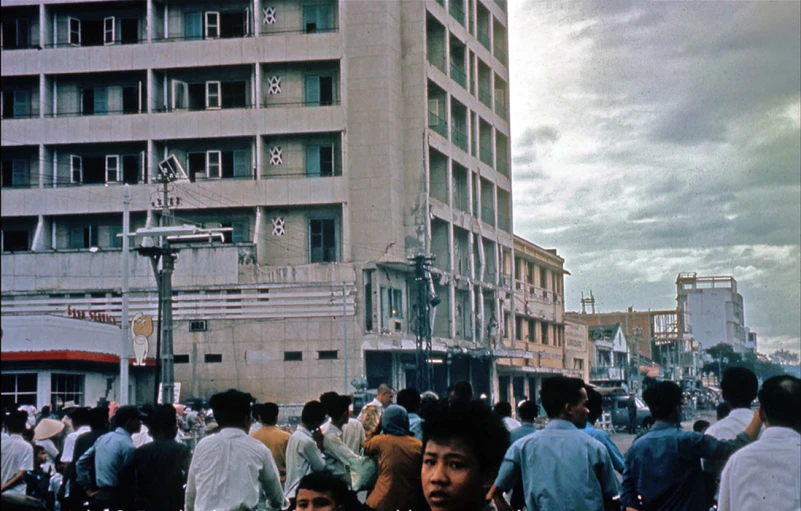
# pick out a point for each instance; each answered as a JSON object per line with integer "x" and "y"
{"x": 397, "y": 325}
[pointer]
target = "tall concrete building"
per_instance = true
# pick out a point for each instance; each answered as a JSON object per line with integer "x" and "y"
{"x": 711, "y": 311}
{"x": 334, "y": 138}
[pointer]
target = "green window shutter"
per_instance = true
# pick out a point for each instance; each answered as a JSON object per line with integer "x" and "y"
{"x": 76, "y": 238}
{"x": 22, "y": 104}
{"x": 114, "y": 240}
{"x": 19, "y": 172}
{"x": 101, "y": 101}
{"x": 241, "y": 163}
{"x": 312, "y": 90}
{"x": 193, "y": 26}
{"x": 309, "y": 18}
{"x": 239, "y": 233}
{"x": 313, "y": 160}
{"x": 324, "y": 18}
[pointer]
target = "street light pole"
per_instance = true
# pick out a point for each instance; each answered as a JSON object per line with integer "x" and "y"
{"x": 167, "y": 369}
{"x": 126, "y": 218}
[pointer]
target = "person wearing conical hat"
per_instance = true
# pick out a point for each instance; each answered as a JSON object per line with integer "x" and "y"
{"x": 44, "y": 434}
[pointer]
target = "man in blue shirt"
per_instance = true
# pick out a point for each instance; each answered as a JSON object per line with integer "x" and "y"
{"x": 561, "y": 467}
{"x": 527, "y": 411}
{"x": 663, "y": 468}
{"x": 410, "y": 399}
{"x": 595, "y": 406}
{"x": 113, "y": 458}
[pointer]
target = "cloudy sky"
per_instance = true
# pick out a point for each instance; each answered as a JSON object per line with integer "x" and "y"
{"x": 653, "y": 138}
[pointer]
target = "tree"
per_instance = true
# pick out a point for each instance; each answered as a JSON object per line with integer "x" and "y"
{"x": 784, "y": 357}
{"x": 722, "y": 357}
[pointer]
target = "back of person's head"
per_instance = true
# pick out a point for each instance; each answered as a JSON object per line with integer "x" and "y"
{"x": 163, "y": 423}
{"x": 126, "y": 413}
{"x": 16, "y": 421}
{"x": 80, "y": 417}
{"x": 663, "y": 398}
{"x": 338, "y": 406}
{"x": 410, "y": 399}
{"x": 325, "y": 482}
{"x": 327, "y": 398}
{"x": 700, "y": 426}
{"x": 780, "y": 401}
{"x": 474, "y": 425}
{"x": 428, "y": 403}
{"x": 231, "y": 408}
{"x": 594, "y": 405}
{"x": 739, "y": 387}
{"x": 503, "y": 409}
{"x": 648, "y": 422}
{"x": 98, "y": 418}
{"x": 256, "y": 411}
{"x": 527, "y": 411}
{"x": 269, "y": 413}
{"x": 462, "y": 391}
{"x": 313, "y": 414}
{"x": 722, "y": 410}
{"x": 558, "y": 391}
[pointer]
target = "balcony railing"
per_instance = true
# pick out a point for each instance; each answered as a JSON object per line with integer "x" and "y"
{"x": 459, "y": 138}
{"x": 501, "y": 110}
{"x": 484, "y": 39}
{"x": 485, "y": 97}
{"x": 438, "y": 124}
{"x": 485, "y": 154}
{"x": 457, "y": 10}
{"x": 458, "y": 74}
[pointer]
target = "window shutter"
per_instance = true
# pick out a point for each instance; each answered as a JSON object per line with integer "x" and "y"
{"x": 213, "y": 95}
{"x": 309, "y": 18}
{"x": 193, "y": 26}
{"x": 109, "y": 31}
{"x": 241, "y": 163}
{"x": 19, "y": 172}
{"x": 112, "y": 168}
{"x": 76, "y": 237}
{"x": 22, "y": 104}
{"x": 76, "y": 169}
{"x": 212, "y": 25}
{"x": 213, "y": 165}
{"x": 75, "y": 31}
{"x": 324, "y": 18}
{"x": 115, "y": 241}
{"x": 101, "y": 101}
{"x": 385, "y": 308}
{"x": 114, "y": 99}
{"x": 312, "y": 90}
{"x": 239, "y": 233}
{"x": 313, "y": 160}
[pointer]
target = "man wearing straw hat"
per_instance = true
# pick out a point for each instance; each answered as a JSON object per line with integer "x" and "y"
{"x": 43, "y": 435}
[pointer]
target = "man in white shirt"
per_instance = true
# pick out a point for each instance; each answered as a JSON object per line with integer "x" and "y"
{"x": 352, "y": 431}
{"x": 80, "y": 421}
{"x": 17, "y": 455}
{"x": 304, "y": 450}
{"x": 504, "y": 411}
{"x": 231, "y": 470}
{"x": 739, "y": 388}
{"x": 337, "y": 454}
{"x": 764, "y": 475}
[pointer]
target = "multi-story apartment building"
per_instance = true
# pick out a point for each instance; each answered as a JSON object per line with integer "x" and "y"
{"x": 711, "y": 311}
{"x": 578, "y": 349}
{"x": 533, "y": 327}
{"x": 334, "y": 138}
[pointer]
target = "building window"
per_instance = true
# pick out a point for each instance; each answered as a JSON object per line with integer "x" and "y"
{"x": 16, "y": 173}
{"x": 16, "y": 34}
{"x": 18, "y": 389}
{"x": 66, "y": 387}
{"x": 83, "y": 237}
{"x": 519, "y": 328}
{"x": 321, "y": 160}
{"x": 368, "y": 301}
{"x": 180, "y": 359}
{"x": 532, "y": 331}
{"x": 94, "y": 101}
{"x": 198, "y": 325}
{"x": 317, "y": 18}
{"x": 320, "y": 90}
{"x": 293, "y": 356}
{"x": 113, "y": 173}
{"x": 16, "y": 104}
{"x": 578, "y": 364}
{"x": 327, "y": 354}
{"x": 391, "y": 308}
{"x": 212, "y": 358}
{"x": 76, "y": 169}
{"x": 213, "y": 95}
{"x": 16, "y": 241}
{"x": 544, "y": 332}
{"x": 322, "y": 240}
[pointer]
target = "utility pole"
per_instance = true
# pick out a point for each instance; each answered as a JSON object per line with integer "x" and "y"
{"x": 345, "y": 331}
{"x": 126, "y": 339}
{"x": 426, "y": 300}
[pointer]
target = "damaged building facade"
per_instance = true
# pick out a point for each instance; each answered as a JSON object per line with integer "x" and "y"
{"x": 335, "y": 139}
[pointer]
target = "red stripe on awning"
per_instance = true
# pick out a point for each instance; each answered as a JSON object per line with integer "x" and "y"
{"x": 61, "y": 355}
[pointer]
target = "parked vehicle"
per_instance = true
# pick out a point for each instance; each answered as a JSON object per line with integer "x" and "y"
{"x": 615, "y": 403}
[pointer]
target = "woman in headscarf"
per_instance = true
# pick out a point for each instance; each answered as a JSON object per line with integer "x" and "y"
{"x": 400, "y": 457}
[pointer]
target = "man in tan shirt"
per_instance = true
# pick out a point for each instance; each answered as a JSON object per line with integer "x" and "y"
{"x": 274, "y": 438}
{"x": 370, "y": 416}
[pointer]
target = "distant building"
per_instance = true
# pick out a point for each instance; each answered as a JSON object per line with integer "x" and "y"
{"x": 711, "y": 311}
{"x": 610, "y": 361}
{"x": 578, "y": 349}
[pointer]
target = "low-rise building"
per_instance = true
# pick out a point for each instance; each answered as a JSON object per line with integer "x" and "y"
{"x": 610, "y": 362}
{"x": 578, "y": 350}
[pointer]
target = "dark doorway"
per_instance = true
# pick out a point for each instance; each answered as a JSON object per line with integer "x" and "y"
{"x": 94, "y": 170}
{"x": 130, "y": 100}
{"x": 129, "y": 31}
{"x": 130, "y": 169}
{"x": 378, "y": 368}
{"x": 92, "y": 33}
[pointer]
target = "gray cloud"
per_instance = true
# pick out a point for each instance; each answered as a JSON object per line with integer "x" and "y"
{"x": 658, "y": 138}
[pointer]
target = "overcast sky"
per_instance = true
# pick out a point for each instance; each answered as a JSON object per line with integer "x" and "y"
{"x": 653, "y": 138}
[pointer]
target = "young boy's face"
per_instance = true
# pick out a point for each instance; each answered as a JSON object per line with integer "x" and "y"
{"x": 41, "y": 457}
{"x": 452, "y": 476}
{"x": 310, "y": 500}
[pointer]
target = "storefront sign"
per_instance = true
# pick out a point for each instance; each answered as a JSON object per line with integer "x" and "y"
{"x": 91, "y": 315}
{"x": 575, "y": 336}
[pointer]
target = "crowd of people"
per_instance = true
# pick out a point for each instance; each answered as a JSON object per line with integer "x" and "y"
{"x": 423, "y": 453}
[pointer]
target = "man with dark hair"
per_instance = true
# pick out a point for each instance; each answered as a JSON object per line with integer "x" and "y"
{"x": 231, "y": 470}
{"x": 160, "y": 466}
{"x": 527, "y": 411}
{"x": 561, "y": 467}
{"x": 352, "y": 431}
{"x": 80, "y": 421}
{"x": 112, "y": 456}
{"x": 463, "y": 446}
{"x": 664, "y": 466}
{"x": 256, "y": 411}
{"x": 595, "y": 407}
{"x": 273, "y": 437}
{"x": 337, "y": 454}
{"x": 739, "y": 389}
{"x": 764, "y": 475}
{"x": 722, "y": 411}
{"x": 504, "y": 410}
{"x": 700, "y": 426}
{"x": 17, "y": 455}
{"x": 71, "y": 494}
{"x": 321, "y": 491}
{"x": 304, "y": 452}
{"x": 410, "y": 399}
{"x": 462, "y": 392}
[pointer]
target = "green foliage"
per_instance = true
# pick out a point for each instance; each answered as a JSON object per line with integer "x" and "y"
{"x": 723, "y": 357}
